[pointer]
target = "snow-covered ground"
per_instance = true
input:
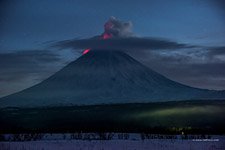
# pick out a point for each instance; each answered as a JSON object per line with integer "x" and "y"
{"x": 155, "y": 144}
{"x": 118, "y": 142}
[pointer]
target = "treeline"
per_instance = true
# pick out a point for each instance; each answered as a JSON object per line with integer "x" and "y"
{"x": 96, "y": 136}
{"x": 70, "y": 136}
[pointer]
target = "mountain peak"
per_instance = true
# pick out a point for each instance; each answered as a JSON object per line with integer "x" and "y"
{"x": 103, "y": 77}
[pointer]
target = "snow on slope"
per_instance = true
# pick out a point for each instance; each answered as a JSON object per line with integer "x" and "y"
{"x": 104, "y": 77}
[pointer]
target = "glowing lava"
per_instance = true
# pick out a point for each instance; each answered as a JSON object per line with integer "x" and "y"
{"x": 106, "y": 36}
{"x": 86, "y": 51}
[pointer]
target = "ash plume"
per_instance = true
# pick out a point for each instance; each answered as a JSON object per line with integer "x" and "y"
{"x": 118, "y": 35}
{"x": 118, "y": 28}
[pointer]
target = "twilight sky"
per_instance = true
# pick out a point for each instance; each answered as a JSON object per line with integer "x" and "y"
{"x": 181, "y": 39}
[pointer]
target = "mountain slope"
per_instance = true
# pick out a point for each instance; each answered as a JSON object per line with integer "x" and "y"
{"x": 104, "y": 77}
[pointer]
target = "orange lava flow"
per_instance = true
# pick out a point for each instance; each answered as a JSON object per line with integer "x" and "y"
{"x": 86, "y": 51}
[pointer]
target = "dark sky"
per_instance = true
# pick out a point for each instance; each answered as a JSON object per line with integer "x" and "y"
{"x": 181, "y": 39}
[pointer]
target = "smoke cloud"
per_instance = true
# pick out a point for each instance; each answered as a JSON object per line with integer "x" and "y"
{"x": 123, "y": 44}
{"x": 118, "y": 28}
{"x": 118, "y": 35}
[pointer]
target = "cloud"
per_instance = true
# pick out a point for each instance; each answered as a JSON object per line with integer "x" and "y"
{"x": 24, "y": 68}
{"x": 126, "y": 44}
{"x": 30, "y": 56}
{"x": 216, "y": 53}
{"x": 195, "y": 69}
{"x": 118, "y": 28}
{"x": 28, "y": 61}
{"x": 218, "y": 50}
{"x": 118, "y": 35}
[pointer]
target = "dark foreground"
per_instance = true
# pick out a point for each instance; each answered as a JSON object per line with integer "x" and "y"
{"x": 187, "y": 117}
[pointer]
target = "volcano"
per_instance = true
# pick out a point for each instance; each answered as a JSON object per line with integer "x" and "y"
{"x": 105, "y": 77}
